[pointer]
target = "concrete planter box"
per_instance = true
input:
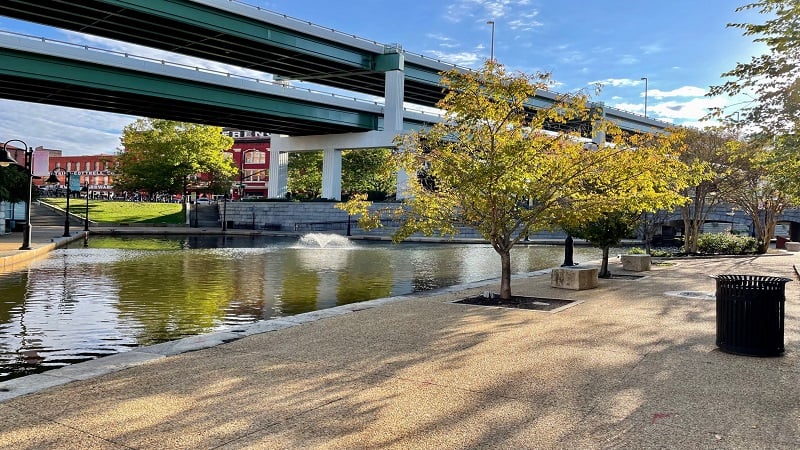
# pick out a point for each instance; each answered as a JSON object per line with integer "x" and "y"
{"x": 793, "y": 246}
{"x": 636, "y": 263}
{"x": 574, "y": 278}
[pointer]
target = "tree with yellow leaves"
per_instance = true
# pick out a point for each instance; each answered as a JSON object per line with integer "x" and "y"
{"x": 489, "y": 165}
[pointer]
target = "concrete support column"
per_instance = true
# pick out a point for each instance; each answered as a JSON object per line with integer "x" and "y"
{"x": 598, "y": 131}
{"x": 332, "y": 174}
{"x": 393, "y": 117}
{"x": 278, "y": 173}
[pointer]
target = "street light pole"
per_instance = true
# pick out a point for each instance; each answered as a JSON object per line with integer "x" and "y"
{"x": 645, "y": 96}
{"x": 86, "y": 214}
{"x": 225, "y": 212}
{"x": 5, "y": 160}
{"x": 66, "y": 210}
{"x": 491, "y": 52}
{"x": 53, "y": 179}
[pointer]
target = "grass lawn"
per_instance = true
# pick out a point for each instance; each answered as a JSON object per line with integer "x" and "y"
{"x": 104, "y": 211}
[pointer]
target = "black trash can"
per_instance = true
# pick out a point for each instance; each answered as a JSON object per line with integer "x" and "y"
{"x": 750, "y": 313}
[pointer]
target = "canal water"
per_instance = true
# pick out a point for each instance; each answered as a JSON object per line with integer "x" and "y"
{"x": 123, "y": 292}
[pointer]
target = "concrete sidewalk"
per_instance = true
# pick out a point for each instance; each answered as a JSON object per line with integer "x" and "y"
{"x": 632, "y": 366}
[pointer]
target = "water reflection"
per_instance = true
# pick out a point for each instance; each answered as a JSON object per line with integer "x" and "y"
{"x": 123, "y": 292}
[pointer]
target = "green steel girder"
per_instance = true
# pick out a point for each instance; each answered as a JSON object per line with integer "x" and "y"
{"x": 213, "y": 19}
{"x": 78, "y": 74}
{"x": 195, "y": 29}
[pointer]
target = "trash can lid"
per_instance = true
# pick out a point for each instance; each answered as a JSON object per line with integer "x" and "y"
{"x": 751, "y": 278}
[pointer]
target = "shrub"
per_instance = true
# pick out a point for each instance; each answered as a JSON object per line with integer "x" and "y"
{"x": 660, "y": 253}
{"x": 726, "y": 244}
{"x": 636, "y": 251}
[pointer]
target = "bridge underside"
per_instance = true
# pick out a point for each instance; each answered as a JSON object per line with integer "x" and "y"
{"x": 205, "y": 32}
{"x": 54, "y": 93}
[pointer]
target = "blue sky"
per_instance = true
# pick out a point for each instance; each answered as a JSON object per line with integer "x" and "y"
{"x": 681, "y": 46}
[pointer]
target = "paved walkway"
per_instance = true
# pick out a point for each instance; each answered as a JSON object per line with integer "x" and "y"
{"x": 632, "y": 366}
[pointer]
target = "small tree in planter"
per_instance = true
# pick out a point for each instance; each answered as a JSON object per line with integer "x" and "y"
{"x": 605, "y": 232}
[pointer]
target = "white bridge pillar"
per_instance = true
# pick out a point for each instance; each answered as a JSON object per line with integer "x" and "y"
{"x": 393, "y": 117}
{"x": 332, "y": 174}
{"x": 392, "y": 62}
{"x": 278, "y": 170}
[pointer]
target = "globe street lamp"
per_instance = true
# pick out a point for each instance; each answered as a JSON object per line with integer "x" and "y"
{"x": 645, "y": 96}
{"x": 53, "y": 179}
{"x": 7, "y": 160}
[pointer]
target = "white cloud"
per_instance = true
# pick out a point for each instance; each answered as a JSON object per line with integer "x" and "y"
{"x": 525, "y": 21}
{"x": 684, "y": 91}
{"x": 74, "y": 131}
{"x": 617, "y": 82}
{"x": 676, "y": 111}
{"x": 468, "y": 59}
{"x": 492, "y": 9}
{"x": 444, "y": 41}
{"x": 651, "y": 48}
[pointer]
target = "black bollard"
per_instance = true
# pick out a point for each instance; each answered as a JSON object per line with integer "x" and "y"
{"x": 568, "y": 251}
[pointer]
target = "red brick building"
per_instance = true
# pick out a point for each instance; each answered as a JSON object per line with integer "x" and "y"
{"x": 250, "y": 154}
{"x": 96, "y": 170}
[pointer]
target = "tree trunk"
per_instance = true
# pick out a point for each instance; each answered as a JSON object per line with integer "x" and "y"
{"x": 505, "y": 276}
{"x": 604, "y": 273}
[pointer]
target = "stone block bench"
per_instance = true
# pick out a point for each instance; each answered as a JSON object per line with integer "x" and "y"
{"x": 574, "y": 278}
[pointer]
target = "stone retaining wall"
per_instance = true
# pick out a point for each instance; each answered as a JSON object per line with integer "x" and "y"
{"x": 314, "y": 216}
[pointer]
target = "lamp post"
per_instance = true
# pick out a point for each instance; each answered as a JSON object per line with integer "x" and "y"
{"x": 53, "y": 179}
{"x": 86, "y": 213}
{"x": 225, "y": 212}
{"x": 645, "y": 96}
{"x": 7, "y": 160}
{"x": 491, "y": 51}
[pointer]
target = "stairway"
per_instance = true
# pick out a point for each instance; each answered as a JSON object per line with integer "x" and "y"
{"x": 207, "y": 216}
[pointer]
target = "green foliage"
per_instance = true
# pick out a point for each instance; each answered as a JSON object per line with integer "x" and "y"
{"x": 771, "y": 80}
{"x": 160, "y": 156}
{"x": 636, "y": 251}
{"x": 604, "y": 232}
{"x": 726, "y": 244}
{"x": 760, "y": 184}
{"x": 365, "y": 171}
{"x": 305, "y": 174}
{"x": 14, "y": 184}
{"x": 709, "y": 152}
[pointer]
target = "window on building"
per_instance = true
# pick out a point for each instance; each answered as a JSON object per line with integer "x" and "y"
{"x": 254, "y": 175}
{"x": 88, "y": 166}
{"x": 254, "y": 157}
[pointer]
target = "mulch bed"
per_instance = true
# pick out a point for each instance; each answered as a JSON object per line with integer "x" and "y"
{"x": 520, "y": 302}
